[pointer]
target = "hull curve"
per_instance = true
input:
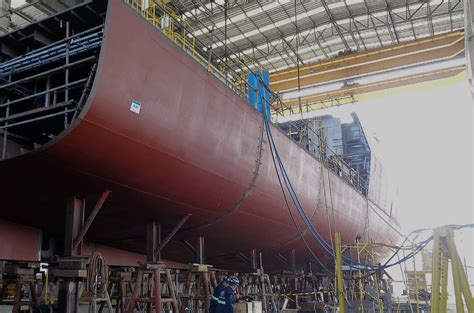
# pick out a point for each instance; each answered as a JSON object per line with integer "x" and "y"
{"x": 193, "y": 148}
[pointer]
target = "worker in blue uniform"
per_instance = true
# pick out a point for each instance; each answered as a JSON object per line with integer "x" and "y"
{"x": 224, "y": 296}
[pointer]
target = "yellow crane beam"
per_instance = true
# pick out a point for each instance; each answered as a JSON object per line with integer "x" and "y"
{"x": 361, "y": 64}
{"x": 348, "y": 95}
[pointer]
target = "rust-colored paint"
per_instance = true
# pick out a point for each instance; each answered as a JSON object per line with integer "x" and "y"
{"x": 18, "y": 242}
{"x": 192, "y": 149}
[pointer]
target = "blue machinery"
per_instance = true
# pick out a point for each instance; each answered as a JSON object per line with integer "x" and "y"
{"x": 259, "y": 95}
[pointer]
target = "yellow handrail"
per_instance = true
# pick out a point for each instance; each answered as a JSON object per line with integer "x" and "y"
{"x": 162, "y": 16}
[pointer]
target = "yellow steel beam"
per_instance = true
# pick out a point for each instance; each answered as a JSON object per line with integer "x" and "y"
{"x": 461, "y": 275}
{"x": 349, "y": 94}
{"x": 457, "y": 289}
{"x": 339, "y": 275}
{"x": 416, "y": 52}
{"x": 436, "y": 280}
{"x": 444, "y": 285}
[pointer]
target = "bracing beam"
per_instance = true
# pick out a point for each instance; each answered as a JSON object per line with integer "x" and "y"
{"x": 171, "y": 234}
{"x": 444, "y": 249}
{"x": 83, "y": 230}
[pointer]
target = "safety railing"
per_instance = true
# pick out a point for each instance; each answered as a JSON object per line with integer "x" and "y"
{"x": 42, "y": 98}
{"x": 177, "y": 29}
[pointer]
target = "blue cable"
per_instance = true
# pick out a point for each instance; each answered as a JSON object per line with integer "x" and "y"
{"x": 322, "y": 242}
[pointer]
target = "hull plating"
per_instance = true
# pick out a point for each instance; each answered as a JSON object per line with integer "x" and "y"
{"x": 191, "y": 149}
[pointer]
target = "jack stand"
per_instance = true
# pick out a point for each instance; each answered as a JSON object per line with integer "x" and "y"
{"x": 22, "y": 275}
{"x": 147, "y": 287}
{"x": 71, "y": 273}
{"x": 149, "y": 293}
{"x": 200, "y": 284}
{"x": 266, "y": 287}
{"x": 121, "y": 280}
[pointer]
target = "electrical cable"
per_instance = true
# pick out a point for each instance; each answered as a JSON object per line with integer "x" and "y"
{"x": 97, "y": 275}
{"x": 289, "y": 209}
{"x": 304, "y": 217}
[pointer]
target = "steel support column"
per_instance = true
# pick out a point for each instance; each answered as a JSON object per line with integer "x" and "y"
{"x": 253, "y": 260}
{"x": 85, "y": 227}
{"x": 444, "y": 247}
{"x": 5, "y": 18}
{"x": 171, "y": 234}
{"x": 469, "y": 36}
{"x": 200, "y": 250}
{"x": 340, "y": 278}
{"x": 74, "y": 219}
{"x": 153, "y": 241}
{"x": 69, "y": 290}
{"x": 436, "y": 285}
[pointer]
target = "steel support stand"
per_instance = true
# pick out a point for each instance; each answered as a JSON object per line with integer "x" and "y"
{"x": 71, "y": 270}
{"x": 152, "y": 270}
{"x": 469, "y": 37}
{"x": 435, "y": 289}
{"x": 444, "y": 248}
{"x": 444, "y": 285}
{"x": 22, "y": 275}
{"x": 461, "y": 274}
{"x": 253, "y": 261}
{"x": 339, "y": 275}
{"x": 120, "y": 280}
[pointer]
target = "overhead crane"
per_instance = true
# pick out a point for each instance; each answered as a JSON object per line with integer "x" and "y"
{"x": 339, "y": 79}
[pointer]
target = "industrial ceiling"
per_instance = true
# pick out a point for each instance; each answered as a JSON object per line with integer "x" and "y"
{"x": 277, "y": 33}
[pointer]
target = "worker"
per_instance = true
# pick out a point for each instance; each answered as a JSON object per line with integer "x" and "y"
{"x": 224, "y": 296}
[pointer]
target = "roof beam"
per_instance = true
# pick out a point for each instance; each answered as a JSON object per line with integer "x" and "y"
{"x": 367, "y": 32}
{"x": 378, "y": 60}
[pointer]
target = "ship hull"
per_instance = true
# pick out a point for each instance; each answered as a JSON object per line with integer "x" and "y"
{"x": 193, "y": 148}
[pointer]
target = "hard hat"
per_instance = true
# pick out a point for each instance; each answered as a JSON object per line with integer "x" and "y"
{"x": 233, "y": 281}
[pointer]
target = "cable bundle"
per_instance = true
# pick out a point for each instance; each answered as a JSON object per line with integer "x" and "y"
{"x": 97, "y": 275}
{"x": 280, "y": 168}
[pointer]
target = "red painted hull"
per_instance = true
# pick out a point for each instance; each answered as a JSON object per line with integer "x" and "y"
{"x": 192, "y": 149}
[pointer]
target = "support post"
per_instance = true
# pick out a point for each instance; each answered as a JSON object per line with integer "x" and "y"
{"x": 71, "y": 270}
{"x": 200, "y": 250}
{"x": 435, "y": 288}
{"x": 253, "y": 260}
{"x": 293, "y": 260}
{"x": 444, "y": 285}
{"x": 153, "y": 240}
{"x": 339, "y": 275}
{"x": 74, "y": 220}
{"x": 469, "y": 37}
{"x": 456, "y": 263}
{"x": 171, "y": 234}
{"x": 5, "y": 18}
{"x": 157, "y": 277}
{"x": 68, "y": 296}
{"x": 78, "y": 238}
{"x": 457, "y": 288}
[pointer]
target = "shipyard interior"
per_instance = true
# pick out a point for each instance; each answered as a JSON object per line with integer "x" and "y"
{"x": 220, "y": 156}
